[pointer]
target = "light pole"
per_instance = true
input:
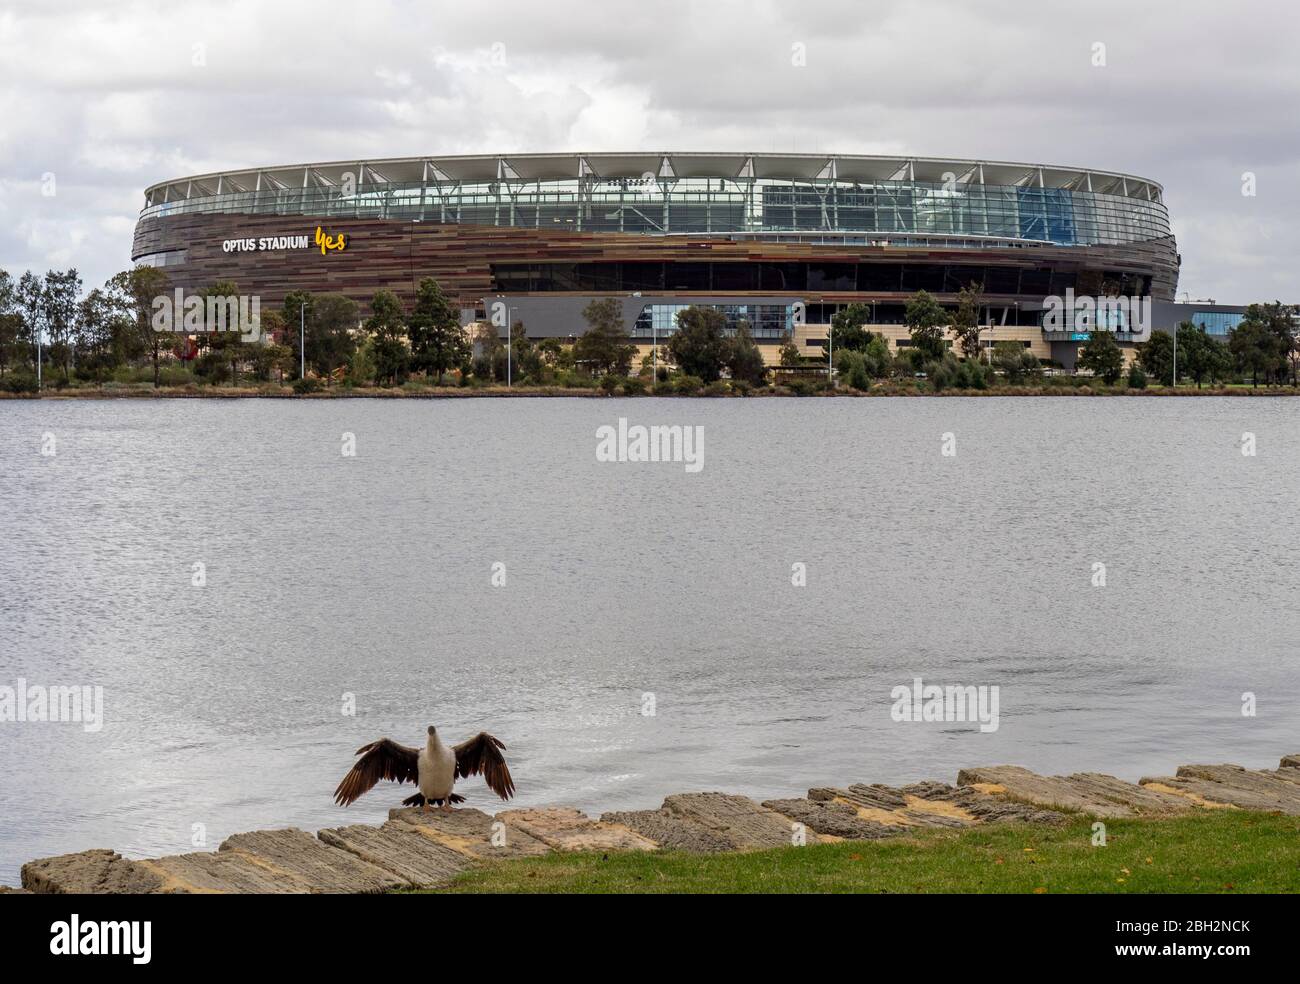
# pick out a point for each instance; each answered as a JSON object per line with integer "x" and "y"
{"x": 302, "y": 340}
{"x": 510, "y": 330}
{"x": 1174, "y": 382}
{"x": 830, "y": 345}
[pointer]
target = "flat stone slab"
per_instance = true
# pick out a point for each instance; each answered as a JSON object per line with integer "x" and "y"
{"x": 300, "y": 856}
{"x": 470, "y": 832}
{"x": 401, "y": 849}
{"x": 670, "y": 830}
{"x": 1290, "y": 762}
{"x": 1230, "y": 785}
{"x": 738, "y": 819}
{"x": 562, "y": 828}
{"x": 223, "y": 872}
{"x": 94, "y": 872}
{"x": 980, "y": 807}
{"x": 831, "y": 818}
{"x": 1087, "y": 792}
{"x": 893, "y": 808}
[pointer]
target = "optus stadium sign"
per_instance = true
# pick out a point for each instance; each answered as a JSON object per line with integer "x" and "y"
{"x": 264, "y": 244}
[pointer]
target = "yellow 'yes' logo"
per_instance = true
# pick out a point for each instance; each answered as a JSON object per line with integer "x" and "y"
{"x": 336, "y": 243}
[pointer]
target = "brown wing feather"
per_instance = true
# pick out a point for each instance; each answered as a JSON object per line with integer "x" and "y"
{"x": 482, "y": 753}
{"x": 382, "y": 759}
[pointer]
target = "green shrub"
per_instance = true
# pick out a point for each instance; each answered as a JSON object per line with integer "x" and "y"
{"x": 1137, "y": 378}
{"x": 687, "y": 385}
{"x": 19, "y": 382}
{"x": 308, "y": 384}
{"x": 609, "y": 383}
{"x": 740, "y": 388}
{"x": 719, "y": 387}
{"x": 633, "y": 387}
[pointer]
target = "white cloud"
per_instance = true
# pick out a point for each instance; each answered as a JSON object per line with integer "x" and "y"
{"x": 111, "y": 100}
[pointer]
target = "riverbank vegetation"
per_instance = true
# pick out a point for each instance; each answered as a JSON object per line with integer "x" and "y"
{"x": 1212, "y": 851}
{"x": 109, "y": 343}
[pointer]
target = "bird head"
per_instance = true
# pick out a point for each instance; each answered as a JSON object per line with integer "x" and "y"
{"x": 432, "y": 731}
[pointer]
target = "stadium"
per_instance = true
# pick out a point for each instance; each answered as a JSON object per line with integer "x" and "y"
{"x": 780, "y": 241}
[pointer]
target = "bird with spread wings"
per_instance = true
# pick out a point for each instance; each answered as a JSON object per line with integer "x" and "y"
{"x": 434, "y": 769}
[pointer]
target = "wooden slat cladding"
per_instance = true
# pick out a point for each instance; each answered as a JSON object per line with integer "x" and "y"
{"x": 393, "y": 255}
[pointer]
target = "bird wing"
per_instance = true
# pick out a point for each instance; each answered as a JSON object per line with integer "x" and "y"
{"x": 482, "y": 753}
{"x": 382, "y": 759}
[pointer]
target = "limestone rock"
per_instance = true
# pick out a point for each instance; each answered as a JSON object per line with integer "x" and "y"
{"x": 400, "y": 849}
{"x": 831, "y": 818}
{"x": 744, "y": 824}
{"x": 300, "y": 856}
{"x": 1231, "y": 785}
{"x": 94, "y": 872}
{"x": 470, "y": 832}
{"x": 225, "y": 872}
{"x": 1090, "y": 793}
{"x": 672, "y": 831}
{"x": 562, "y": 828}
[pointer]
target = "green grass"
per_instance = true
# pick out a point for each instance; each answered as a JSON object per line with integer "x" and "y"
{"x": 1216, "y": 851}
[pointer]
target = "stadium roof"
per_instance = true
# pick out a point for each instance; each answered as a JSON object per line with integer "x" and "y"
{"x": 526, "y": 168}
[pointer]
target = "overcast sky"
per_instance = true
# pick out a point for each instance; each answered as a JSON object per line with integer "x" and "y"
{"x": 109, "y": 97}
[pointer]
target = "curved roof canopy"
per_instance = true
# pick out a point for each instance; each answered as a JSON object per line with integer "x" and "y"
{"x": 664, "y": 167}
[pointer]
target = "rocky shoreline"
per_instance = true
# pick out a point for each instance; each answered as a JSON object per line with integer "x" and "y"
{"x": 413, "y": 849}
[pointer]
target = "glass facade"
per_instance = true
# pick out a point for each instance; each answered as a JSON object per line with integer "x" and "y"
{"x": 1217, "y": 322}
{"x": 858, "y": 212}
{"x": 802, "y": 277}
{"x": 767, "y": 322}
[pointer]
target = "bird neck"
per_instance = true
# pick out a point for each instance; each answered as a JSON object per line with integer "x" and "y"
{"x": 433, "y": 744}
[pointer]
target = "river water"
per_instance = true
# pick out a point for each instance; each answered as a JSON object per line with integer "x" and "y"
{"x": 364, "y": 583}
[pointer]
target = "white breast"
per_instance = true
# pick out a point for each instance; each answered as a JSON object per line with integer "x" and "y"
{"x": 437, "y": 765}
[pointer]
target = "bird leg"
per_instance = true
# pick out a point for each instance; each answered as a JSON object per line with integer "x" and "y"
{"x": 446, "y": 806}
{"x": 425, "y": 807}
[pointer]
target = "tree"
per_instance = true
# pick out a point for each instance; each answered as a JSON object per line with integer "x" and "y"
{"x": 1264, "y": 342}
{"x": 298, "y": 305}
{"x": 59, "y": 308}
{"x": 438, "y": 342}
{"x": 11, "y": 324}
{"x": 966, "y": 319}
{"x": 330, "y": 342}
{"x": 925, "y": 318}
{"x": 525, "y": 360}
{"x": 1015, "y": 360}
{"x": 605, "y": 347}
{"x": 1103, "y": 357}
{"x": 699, "y": 345}
{"x": 388, "y": 345}
{"x": 31, "y": 288}
{"x": 223, "y": 334}
{"x": 553, "y": 352}
{"x": 851, "y": 366}
{"x": 847, "y": 332}
{"x": 96, "y": 353}
{"x": 135, "y": 290}
{"x": 488, "y": 344}
{"x": 1200, "y": 355}
{"x": 790, "y": 355}
{"x": 1157, "y": 356}
{"x": 745, "y": 358}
